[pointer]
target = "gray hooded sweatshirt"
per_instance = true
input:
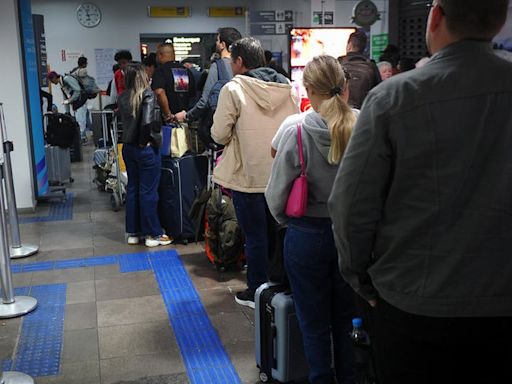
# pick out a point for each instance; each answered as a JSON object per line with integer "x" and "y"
{"x": 316, "y": 141}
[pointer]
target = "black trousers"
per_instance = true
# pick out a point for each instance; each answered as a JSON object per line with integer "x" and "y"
{"x": 413, "y": 349}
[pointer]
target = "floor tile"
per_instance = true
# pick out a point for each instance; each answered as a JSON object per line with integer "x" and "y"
{"x": 63, "y": 276}
{"x": 136, "y": 339}
{"x": 126, "y": 286}
{"x": 80, "y": 316}
{"x": 131, "y": 311}
{"x": 80, "y": 292}
{"x": 232, "y": 327}
{"x": 135, "y": 367}
{"x": 80, "y": 345}
{"x": 85, "y": 372}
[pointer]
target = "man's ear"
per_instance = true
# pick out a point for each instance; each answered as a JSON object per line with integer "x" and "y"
{"x": 436, "y": 17}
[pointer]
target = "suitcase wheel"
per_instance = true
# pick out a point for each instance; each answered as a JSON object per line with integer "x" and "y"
{"x": 263, "y": 377}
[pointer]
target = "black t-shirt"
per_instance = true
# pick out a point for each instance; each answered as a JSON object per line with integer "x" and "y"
{"x": 178, "y": 83}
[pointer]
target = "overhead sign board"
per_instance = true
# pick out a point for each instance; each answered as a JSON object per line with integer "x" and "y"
{"x": 169, "y": 11}
{"x": 226, "y": 11}
{"x": 271, "y": 28}
{"x": 271, "y": 16}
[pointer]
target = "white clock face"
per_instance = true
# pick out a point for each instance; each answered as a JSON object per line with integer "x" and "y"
{"x": 88, "y": 15}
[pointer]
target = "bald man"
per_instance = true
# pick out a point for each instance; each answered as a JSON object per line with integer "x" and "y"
{"x": 173, "y": 84}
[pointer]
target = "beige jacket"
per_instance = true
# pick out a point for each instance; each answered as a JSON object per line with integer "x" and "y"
{"x": 248, "y": 115}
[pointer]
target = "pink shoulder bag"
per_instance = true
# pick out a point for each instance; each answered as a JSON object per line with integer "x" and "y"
{"x": 297, "y": 203}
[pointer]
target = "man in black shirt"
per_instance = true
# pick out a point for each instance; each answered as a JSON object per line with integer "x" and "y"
{"x": 173, "y": 84}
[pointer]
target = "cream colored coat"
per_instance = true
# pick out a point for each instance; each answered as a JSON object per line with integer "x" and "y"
{"x": 248, "y": 115}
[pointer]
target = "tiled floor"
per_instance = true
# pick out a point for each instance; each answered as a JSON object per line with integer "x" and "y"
{"x": 116, "y": 327}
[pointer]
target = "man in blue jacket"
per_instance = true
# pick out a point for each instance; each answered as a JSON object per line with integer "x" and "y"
{"x": 422, "y": 206}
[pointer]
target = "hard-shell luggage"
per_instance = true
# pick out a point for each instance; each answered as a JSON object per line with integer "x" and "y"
{"x": 58, "y": 164}
{"x": 279, "y": 347}
{"x": 181, "y": 181}
{"x": 61, "y": 129}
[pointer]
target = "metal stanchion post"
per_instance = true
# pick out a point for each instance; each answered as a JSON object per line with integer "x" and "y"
{"x": 10, "y": 306}
{"x": 18, "y": 249}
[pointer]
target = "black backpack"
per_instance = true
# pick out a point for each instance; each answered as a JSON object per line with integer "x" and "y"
{"x": 362, "y": 77}
{"x": 213, "y": 98}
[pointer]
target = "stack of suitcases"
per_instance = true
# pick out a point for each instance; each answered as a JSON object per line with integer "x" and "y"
{"x": 63, "y": 146}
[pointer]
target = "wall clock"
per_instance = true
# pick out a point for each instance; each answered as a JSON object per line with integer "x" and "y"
{"x": 88, "y": 14}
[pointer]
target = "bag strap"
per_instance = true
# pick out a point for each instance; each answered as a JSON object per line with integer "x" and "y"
{"x": 222, "y": 71}
{"x": 299, "y": 145}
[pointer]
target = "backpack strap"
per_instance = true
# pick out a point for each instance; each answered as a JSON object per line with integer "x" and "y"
{"x": 221, "y": 70}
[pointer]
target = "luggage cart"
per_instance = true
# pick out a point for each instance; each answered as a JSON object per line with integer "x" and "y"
{"x": 118, "y": 180}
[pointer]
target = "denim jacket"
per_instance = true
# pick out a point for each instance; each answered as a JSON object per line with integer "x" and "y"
{"x": 422, "y": 203}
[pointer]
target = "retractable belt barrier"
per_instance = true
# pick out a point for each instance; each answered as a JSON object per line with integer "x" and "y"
{"x": 10, "y": 306}
{"x": 18, "y": 249}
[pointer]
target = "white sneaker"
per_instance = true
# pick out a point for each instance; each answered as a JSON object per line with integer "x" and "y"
{"x": 133, "y": 240}
{"x": 158, "y": 240}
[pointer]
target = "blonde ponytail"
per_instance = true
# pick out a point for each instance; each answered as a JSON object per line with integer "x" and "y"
{"x": 325, "y": 75}
{"x": 340, "y": 121}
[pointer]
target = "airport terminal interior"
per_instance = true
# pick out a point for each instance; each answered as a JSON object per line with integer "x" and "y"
{"x": 110, "y": 312}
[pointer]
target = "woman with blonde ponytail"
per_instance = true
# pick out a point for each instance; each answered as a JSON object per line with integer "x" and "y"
{"x": 141, "y": 154}
{"x": 323, "y": 300}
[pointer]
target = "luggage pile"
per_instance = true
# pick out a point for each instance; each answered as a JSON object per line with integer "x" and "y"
{"x": 63, "y": 145}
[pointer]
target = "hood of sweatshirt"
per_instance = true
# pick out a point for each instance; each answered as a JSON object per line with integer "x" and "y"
{"x": 315, "y": 126}
{"x": 267, "y": 88}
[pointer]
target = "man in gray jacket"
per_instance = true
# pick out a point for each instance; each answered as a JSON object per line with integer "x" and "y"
{"x": 422, "y": 206}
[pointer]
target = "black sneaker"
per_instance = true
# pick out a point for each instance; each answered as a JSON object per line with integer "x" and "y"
{"x": 245, "y": 298}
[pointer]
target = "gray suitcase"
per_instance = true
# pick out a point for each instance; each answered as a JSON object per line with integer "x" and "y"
{"x": 279, "y": 347}
{"x": 58, "y": 163}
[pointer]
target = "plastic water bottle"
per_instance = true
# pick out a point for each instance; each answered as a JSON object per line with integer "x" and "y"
{"x": 361, "y": 344}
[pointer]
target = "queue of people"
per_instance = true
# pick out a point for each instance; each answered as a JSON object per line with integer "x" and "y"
{"x": 408, "y": 201}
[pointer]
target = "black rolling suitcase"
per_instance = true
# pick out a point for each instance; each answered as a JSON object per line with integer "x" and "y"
{"x": 279, "y": 347}
{"x": 181, "y": 181}
{"x": 61, "y": 129}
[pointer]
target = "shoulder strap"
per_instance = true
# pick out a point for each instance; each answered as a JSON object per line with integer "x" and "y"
{"x": 221, "y": 70}
{"x": 299, "y": 145}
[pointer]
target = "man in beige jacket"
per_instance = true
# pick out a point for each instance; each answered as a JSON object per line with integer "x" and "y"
{"x": 251, "y": 108}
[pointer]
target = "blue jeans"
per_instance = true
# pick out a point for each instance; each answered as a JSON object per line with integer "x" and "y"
{"x": 143, "y": 167}
{"x": 324, "y": 302}
{"x": 258, "y": 227}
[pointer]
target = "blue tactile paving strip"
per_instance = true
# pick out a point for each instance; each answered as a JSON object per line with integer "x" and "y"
{"x": 40, "y": 341}
{"x": 204, "y": 356}
{"x": 6, "y": 365}
{"x": 134, "y": 262}
{"x": 59, "y": 211}
{"x": 202, "y": 351}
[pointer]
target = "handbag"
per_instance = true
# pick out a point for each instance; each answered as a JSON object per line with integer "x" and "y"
{"x": 296, "y": 205}
{"x": 179, "y": 141}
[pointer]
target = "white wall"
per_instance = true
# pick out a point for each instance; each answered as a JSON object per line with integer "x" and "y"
{"x": 12, "y": 96}
{"x": 123, "y": 22}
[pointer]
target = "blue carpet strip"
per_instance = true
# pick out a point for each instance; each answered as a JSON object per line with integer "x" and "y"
{"x": 204, "y": 356}
{"x": 40, "y": 341}
{"x": 59, "y": 211}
